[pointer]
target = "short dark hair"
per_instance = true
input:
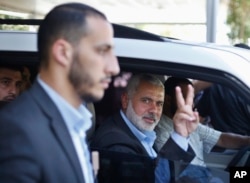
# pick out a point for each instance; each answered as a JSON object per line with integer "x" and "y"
{"x": 67, "y": 21}
{"x": 12, "y": 67}
{"x": 172, "y": 82}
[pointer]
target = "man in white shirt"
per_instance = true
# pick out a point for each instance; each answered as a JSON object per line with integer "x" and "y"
{"x": 43, "y": 133}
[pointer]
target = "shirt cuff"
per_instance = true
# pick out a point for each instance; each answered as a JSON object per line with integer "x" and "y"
{"x": 180, "y": 140}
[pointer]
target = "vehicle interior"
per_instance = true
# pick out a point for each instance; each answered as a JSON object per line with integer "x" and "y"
{"x": 219, "y": 158}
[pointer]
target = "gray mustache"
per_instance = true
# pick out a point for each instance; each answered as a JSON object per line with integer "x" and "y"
{"x": 152, "y": 116}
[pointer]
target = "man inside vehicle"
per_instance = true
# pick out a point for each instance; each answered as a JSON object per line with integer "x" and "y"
{"x": 132, "y": 129}
{"x": 10, "y": 82}
{"x": 204, "y": 138}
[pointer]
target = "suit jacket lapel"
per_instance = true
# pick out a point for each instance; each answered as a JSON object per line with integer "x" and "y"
{"x": 119, "y": 120}
{"x": 64, "y": 138}
{"x": 58, "y": 127}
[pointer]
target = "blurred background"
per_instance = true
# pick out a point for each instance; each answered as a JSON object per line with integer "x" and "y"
{"x": 221, "y": 21}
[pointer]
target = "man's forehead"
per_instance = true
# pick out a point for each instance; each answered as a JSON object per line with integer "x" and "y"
{"x": 150, "y": 90}
{"x": 3, "y": 69}
{"x": 100, "y": 29}
{"x": 9, "y": 73}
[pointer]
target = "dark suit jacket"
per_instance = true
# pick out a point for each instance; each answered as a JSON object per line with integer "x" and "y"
{"x": 113, "y": 134}
{"x": 35, "y": 145}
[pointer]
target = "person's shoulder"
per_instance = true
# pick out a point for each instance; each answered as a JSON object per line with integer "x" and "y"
{"x": 20, "y": 108}
{"x": 109, "y": 126}
{"x": 112, "y": 130}
{"x": 204, "y": 129}
{"x": 164, "y": 123}
{"x": 107, "y": 136}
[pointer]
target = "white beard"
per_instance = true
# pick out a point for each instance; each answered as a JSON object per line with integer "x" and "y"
{"x": 138, "y": 120}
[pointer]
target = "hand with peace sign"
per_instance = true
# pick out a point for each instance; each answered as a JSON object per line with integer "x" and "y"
{"x": 185, "y": 119}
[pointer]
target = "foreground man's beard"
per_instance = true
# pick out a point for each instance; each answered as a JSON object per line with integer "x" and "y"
{"x": 81, "y": 80}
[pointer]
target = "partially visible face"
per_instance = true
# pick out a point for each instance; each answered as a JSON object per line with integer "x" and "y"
{"x": 94, "y": 61}
{"x": 144, "y": 109}
{"x": 10, "y": 84}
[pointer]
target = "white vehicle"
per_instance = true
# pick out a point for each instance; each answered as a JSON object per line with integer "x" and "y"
{"x": 139, "y": 51}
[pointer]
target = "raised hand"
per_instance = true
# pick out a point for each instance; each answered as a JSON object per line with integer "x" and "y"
{"x": 185, "y": 119}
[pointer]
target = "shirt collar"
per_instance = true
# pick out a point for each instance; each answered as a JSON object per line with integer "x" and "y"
{"x": 148, "y": 136}
{"x": 70, "y": 115}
